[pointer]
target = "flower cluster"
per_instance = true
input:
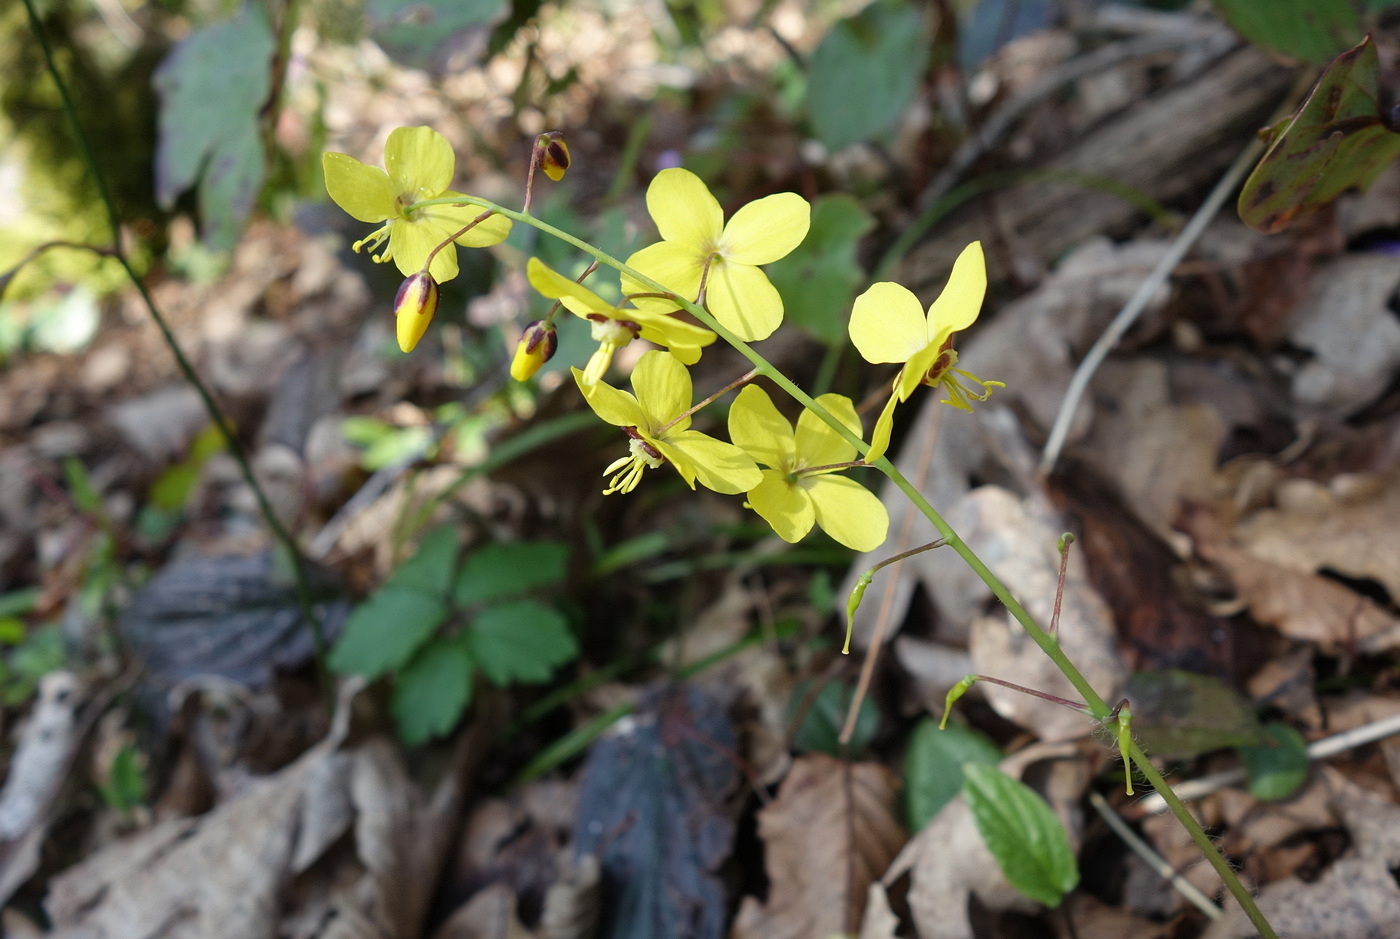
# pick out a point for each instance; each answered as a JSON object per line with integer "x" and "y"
{"x": 789, "y": 474}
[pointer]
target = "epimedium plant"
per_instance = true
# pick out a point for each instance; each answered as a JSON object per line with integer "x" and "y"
{"x": 437, "y": 623}
{"x": 710, "y": 270}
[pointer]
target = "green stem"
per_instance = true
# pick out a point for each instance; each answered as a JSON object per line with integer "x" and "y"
{"x": 118, "y": 252}
{"x": 1097, "y": 708}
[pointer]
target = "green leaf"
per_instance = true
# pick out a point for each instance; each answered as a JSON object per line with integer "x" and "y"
{"x": 41, "y": 652}
{"x": 80, "y": 487}
{"x": 1022, "y": 833}
{"x": 212, "y": 87}
{"x": 1311, "y": 30}
{"x": 500, "y": 570}
{"x": 1178, "y": 714}
{"x": 11, "y": 630}
{"x": 1276, "y": 772}
{"x": 1340, "y": 138}
{"x": 384, "y": 631}
{"x": 386, "y": 444}
{"x": 432, "y": 690}
{"x": 826, "y": 716}
{"x": 820, "y": 278}
{"x": 523, "y": 641}
{"x": 125, "y": 788}
{"x": 933, "y": 766}
{"x": 19, "y": 602}
{"x": 865, "y": 72}
{"x": 419, "y": 33}
{"x": 430, "y": 569}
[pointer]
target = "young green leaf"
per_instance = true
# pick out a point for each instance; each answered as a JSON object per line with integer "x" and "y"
{"x": 865, "y": 73}
{"x": 522, "y": 641}
{"x": 1276, "y": 772}
{"x": 933, "y": 766}
{"x": 1311, "y": 30}
{"x": 384, "y": 631}
{"x": 125, "y": 788}
{"x": 1022, "y": 833}
{"x": 818, "y": 280}
{"x": 1178, "y": 714}
{"x": 430, "y": 569}
{"x": 500, "y": 570}
{"x": 212, "y": 87}
{"x": 821, "y": 725}
{"x": 432, "y": 690}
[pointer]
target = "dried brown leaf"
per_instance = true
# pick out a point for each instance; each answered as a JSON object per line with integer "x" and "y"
{"x": 831, "y": 832}
{"x": 573, "y": 903}
{"x": 37, "y": 771}
{"x": 1348, "y": 528}
{"x": 234, "y": 871}
{"x": 1346, "y": 322}
{"x": 1297, "y": 604}
{"x": 1020, "y": 548}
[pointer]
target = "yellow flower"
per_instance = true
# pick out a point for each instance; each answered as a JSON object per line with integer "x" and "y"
{"x": 613, "y": 327}
{"x": 659, "y": 434}
{"x": 536, "y": 347}
{"x": 695, "y": 237}
{"x": 888, "y": 325}
{"x": 414, "y": 306}
{"x": 420, "y": 165}
{"x": 798, "y": 489}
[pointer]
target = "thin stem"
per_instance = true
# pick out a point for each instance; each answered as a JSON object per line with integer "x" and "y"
{"x": 235, "y": 448}
{"x": 1043, "y": 695}
{"x": 455, "y": 235}
{"x": 937, "y": 543}
{"x": 829, "y": 468}
{"x": 743, "y": 379}
{"x": 1065, "y": 542}
{"x": 535, "y": 153}
{"x": 1095, "y": 704}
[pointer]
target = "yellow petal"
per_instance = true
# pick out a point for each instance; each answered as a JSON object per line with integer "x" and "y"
{"x": 887, "y": 324}
{"x": 685, "y": 340}
{"x": 766, "y": 229}
{"x": 880, "y": 436}
{"x": 410, "y": 243}
{"x": 959, "y": 303}
{"x": 453, "y": 218}
{"x": 672, "y": 266}
{"x": 818, "y": 444}
{"x": 662, "y": 386}
{"x": 743, "y": 300}
{"x": 414, "y": 307}
{"x": 848, "y": 512}
{"x": 615, "y": 407}
{"x": 757, "y": 427}
{"x": 717, "y": 465}
{"x": 786, "y": 507}
{"x": 912, "y": 375}
{"x": 409, "y": 327}
{"x": 556, "y": 286}
{"x": 361, "y": 190}
{"x": 684, "y": 211}
{"x": 420, "y": 162}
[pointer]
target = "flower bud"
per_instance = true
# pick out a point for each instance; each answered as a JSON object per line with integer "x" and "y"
{"x": 414, "y": 307}
{"x": 536, "y": 347}
{"x": 553, "y": 154}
